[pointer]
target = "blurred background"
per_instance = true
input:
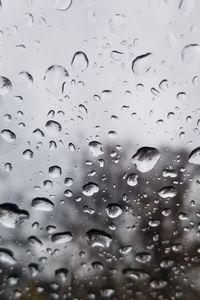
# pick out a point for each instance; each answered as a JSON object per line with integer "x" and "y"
{"x": 99, "y": 145}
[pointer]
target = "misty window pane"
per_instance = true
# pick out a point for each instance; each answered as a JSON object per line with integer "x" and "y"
{"x": 99, "y": 149}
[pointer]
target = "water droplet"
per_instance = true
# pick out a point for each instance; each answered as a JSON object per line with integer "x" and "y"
{"x": 28, "y": 154}
{"x": 96, "y": 148}
{"x": 53, "y": 128}
{"x": 186, "y": 7}
{"x": 61, "y": 275}
{"x": 42, "y": 204}
{"x": 7, "y": 257}
{"x": 61, "y": 237}
{"x": 117, "y": 23}
{"x": 11, "y": 216}
{"x": 136, "y": 274}
{"x": 89, "y": 189}
{"x": 132, "y": 179}
{"x": 194, "y": 157}
{"x": 8, "y": 135}
{"x": 5, "y": 85}
{"x": 191, "y": 54}
{"x": 55, "y": 171}
{"x": 98, "y": 238}
{"x": 55, "y": 76}
{"x": 68, "y": 181}
{"x": 143, "y": 257}
{"x": 62, "y": 5}
{"x": 38, "y": 133}
{"x": 167, "y": 192}
{"x": 117, "y": 55}
{"x": 26, "y": 77}
{"x": 113, "y": 210}
{"x": 142, "y": 64}
{"x": 80, "y": 62}
{"x": 146, "y": 158}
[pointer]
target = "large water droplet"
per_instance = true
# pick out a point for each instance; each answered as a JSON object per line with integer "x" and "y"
{"x": 113, "y": 210}
{"x": 98, "y": 238}
{"x": 5, "y": 85}
{"x": 142, "y": 64}
{"x": 194, "y": 157}
{"x": 62, "y": 5}
{"x": 53, "y": 128}
{"x": 42, "y": 204}
{"x": 146, "y": 158}
{"x": 167, "y": 192}
{"x": 11, "y": 216}
{"x": 191, "y": 54}
{"x": 54, "y": 78}
{"x": 7, "y": 257}
{"x": 62, "y": 237}
{"x": 96, "y": 148}
{"x": 80, "y": 62}
{"x": 8, "y": 135}
{"x": 90, "y": 189}
{"x": 55, "y": 171}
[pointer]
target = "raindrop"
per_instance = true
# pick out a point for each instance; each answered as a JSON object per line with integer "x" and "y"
{"x": 186, "y": 6}
{"x": 194, "y": 157}
{"x": 113, "y": 210}
{"x": 42, "y": 204}
{"x": 191, "y": 53}
{"x": 98, "y": 238}
{"x": 61, "y": 275}
{"x": 136, "y": 274}
{"x": 55, "y": 76}
{"x": 117, "y": 23}
{"x": 7, "y": 257}
{"x": 28, "y": 154}
{"x": 8, "y": 135}
{"x": 96, "y": 148}
{"x": 142, "y": 64}
{"x": 62, "y": 5}
{"x": 80, "y": 62}
{"x": 61, "y": 237}
{"x": 146, "y": 158}
{"x": 89, "y": 189}
{"x": 5, "y": 86}
{"x": 167, "y": 192}
{"x": 55, "y": 171}
{"x": 53, "y": 128}
{"x": 132, "y": 179}
{"x": 143, "y": 257}
{"x": 11, "y": 216}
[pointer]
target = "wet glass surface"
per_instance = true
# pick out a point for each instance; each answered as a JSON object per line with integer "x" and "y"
{"x": 99, "y": 149}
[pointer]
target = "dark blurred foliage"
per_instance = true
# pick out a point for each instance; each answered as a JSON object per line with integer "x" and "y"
{"x": 154, "y": 249}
